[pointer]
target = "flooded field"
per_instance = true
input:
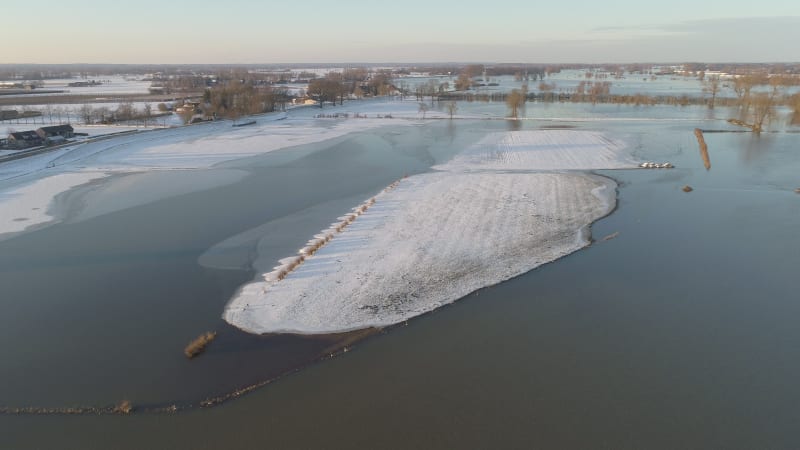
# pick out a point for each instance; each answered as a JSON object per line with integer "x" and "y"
{"x": 678, "y": 332}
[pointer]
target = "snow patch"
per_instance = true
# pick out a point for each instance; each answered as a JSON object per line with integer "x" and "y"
{"x": 543, "y": 150}
{"x": 28, "y": 204}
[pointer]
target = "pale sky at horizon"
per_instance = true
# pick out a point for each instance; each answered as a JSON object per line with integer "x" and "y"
{"x": 317, "y": 31}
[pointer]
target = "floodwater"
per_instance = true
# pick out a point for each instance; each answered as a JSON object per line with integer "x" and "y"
{"x": 680, "y": 332}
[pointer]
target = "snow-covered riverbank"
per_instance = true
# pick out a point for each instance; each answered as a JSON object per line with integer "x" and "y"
{"x": 29, "y": 185}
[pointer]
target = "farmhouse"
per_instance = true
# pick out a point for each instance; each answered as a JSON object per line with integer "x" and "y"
{"x": 24, "y": 139}
{"x": 65, "y": 131}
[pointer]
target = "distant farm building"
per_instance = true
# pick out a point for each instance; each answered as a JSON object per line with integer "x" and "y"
{"x": 9, "y": 114}
{"x": 84, "y": 83}
{"x": 304, "y": 101}
{"x": 64, "y": 131}
{"x": 24, "y": 139}
{"x": 55, "y": 140}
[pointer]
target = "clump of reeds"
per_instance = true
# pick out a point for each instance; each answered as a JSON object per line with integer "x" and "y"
{"x": 611, "y": 236}
{"x": 296, "y": 261}
{"x": 703, "y": 148}
{"x": 393, "y": 185}
{"x": 281, "y": 273}
{"x": 123, "y": 407}
{"x": 687, "y": 188}
{"x": 199, "y": 344}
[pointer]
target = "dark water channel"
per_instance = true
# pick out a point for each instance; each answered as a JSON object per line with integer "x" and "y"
{"x": 679, "y": 333}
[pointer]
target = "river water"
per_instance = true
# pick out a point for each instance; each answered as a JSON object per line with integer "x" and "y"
{"x": 679, "y": 332}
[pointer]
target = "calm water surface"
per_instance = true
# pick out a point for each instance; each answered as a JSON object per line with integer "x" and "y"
{"x": 680, "y": 332}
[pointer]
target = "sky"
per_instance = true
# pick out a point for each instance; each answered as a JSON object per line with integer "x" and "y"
{"x": 331, "y": 31}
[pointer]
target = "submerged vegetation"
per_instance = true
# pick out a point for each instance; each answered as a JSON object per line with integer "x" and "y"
{"x": 199, "y": 344}
{"x": 124, "y": 407}
{"x": 703, "y": 148}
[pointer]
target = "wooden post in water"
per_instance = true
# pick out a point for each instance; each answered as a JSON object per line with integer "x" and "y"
{"x": 703, "y": 148}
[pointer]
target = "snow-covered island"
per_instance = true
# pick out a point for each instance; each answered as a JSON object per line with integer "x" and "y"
{"x": 510, "y": 203}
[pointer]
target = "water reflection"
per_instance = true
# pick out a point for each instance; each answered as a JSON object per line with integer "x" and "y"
{"x": 451, "y": 130}
{"x": 688, "y": 316}
{"x": 514, "y": 124}
{"x": 755, "y": 147}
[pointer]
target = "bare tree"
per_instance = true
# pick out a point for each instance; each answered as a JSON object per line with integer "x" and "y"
{"x": 324, "y": 89}
{"x": 742, "y": 85}
{"x": 711, "y": 85}
{"x": 423, "y": 108}
{"x": 452, "y": 108}
{"x": 794, "y": 101}
{"x": 125, "y": 111}
{"x": 763, "y": 106}
{"x": 756, "y": 108}
{"x": 48, "y": 109}
{"x": 432, "y": 89}
{"x": 148, "y": 111}
{"x": 547, "y": 90}
{"x": 515, "y": 102}
{"x": 464, "y": 82}
{"x": 86, "y": 113}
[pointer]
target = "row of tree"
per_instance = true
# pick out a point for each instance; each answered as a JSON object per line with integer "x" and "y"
{"x": 358, "y": 83}
{"x": 235, "y": 99}
{"x": 124, "y": 112}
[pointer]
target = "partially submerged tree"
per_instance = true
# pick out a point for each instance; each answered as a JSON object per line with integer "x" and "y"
{"x": 763, "y": 107}
{"x": 515, "y": 102}
{"x": 452, "y": 108}
{"x": 794, "y": 102}
{"x": 423, "y": 108}
{"x": 547, "y": 90}
{"x": 463, "y": 82}
{"x": 711, "y": 86}
{"x": 757, "y": 105}
{"x": 186, "y": 115}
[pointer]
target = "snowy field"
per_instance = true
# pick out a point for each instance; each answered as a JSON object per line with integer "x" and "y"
{"x": 492, "y": 213}
{"x": 545, "y": 150}
{"x": 29, "y": 185}
{"x": 112, "y": 85}
{"x": 71, "y": 113}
